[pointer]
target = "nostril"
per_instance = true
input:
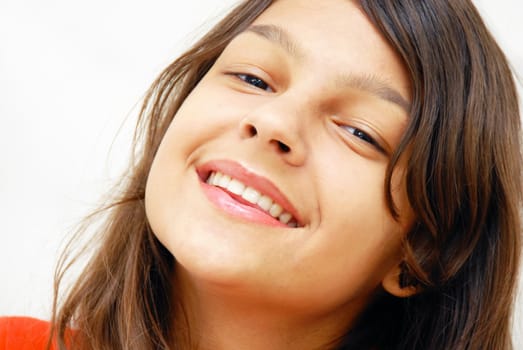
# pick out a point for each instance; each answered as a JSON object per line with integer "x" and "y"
{"x": 252, "y": 131}
{"x": 283, "y": 147}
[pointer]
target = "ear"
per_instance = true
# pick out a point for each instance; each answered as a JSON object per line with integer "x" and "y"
{"x": 393, "y": 285}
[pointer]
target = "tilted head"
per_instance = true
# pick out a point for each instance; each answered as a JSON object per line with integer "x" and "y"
{"x": 449, "y": 164}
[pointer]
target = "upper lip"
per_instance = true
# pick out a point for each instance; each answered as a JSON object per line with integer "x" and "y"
{"x": 251, "y": 179}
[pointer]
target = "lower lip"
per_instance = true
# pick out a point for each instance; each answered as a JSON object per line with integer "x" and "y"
{"x": 225, "y": 202}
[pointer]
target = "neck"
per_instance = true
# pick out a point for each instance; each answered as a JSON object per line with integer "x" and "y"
{"x": 219, "y": 319}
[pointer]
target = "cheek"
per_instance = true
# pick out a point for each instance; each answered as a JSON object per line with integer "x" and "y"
{"x": 351, "y": 186}
{"x": 166, "y": 172}
{"x": 196, "y": 121}
{"x": 359, "y": 241}
{"x": 206, "y": 113}
{"x": 352, "y": 261}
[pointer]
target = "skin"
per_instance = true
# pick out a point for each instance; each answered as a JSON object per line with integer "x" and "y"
{"x": 290, "y": 287}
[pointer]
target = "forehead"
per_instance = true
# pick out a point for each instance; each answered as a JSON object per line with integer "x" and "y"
{"x": 336, "y": 35}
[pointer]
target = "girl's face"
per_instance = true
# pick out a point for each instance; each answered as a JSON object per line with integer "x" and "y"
{"x": 302, "y": 112}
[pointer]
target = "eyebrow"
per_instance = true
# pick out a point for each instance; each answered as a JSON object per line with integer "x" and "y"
{"x": 277, "y": 36}
{"x": 370, "y": 83}
{"x": 376, "y": 86}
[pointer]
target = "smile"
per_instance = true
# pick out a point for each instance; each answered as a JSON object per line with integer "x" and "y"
{"x": 252, "y": 196}
{"x": 246, "y": 194}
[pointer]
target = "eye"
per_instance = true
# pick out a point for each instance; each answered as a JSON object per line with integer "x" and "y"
{"x": 362, "y": 135}
{"x": 254, "y": 81}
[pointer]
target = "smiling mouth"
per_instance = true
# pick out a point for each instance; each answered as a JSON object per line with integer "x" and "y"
{"x": 251, "y": 197}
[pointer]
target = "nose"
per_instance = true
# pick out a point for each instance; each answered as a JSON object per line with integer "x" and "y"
{"x": 277, "y": 129}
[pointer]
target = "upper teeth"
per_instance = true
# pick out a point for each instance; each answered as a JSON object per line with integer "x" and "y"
{"x": 253, "y": 196}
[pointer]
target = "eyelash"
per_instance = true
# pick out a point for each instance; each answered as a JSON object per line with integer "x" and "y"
{"x": 254, "y": 81}
{"x": 363, "y": 136}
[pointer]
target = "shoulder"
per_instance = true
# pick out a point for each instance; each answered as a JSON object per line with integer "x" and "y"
{"x": 21, "y": 333}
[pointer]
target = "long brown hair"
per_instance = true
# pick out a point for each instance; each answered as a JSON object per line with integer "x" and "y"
{"x": 463, "y": 180}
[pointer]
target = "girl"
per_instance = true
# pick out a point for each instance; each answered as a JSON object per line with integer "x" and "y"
{"x": 327, "y": 174}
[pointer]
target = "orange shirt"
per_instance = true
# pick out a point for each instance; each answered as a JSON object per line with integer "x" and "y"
{"x": 23, "y": 333}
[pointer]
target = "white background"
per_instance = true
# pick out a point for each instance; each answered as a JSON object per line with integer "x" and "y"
{"x": 72, "y": 74}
